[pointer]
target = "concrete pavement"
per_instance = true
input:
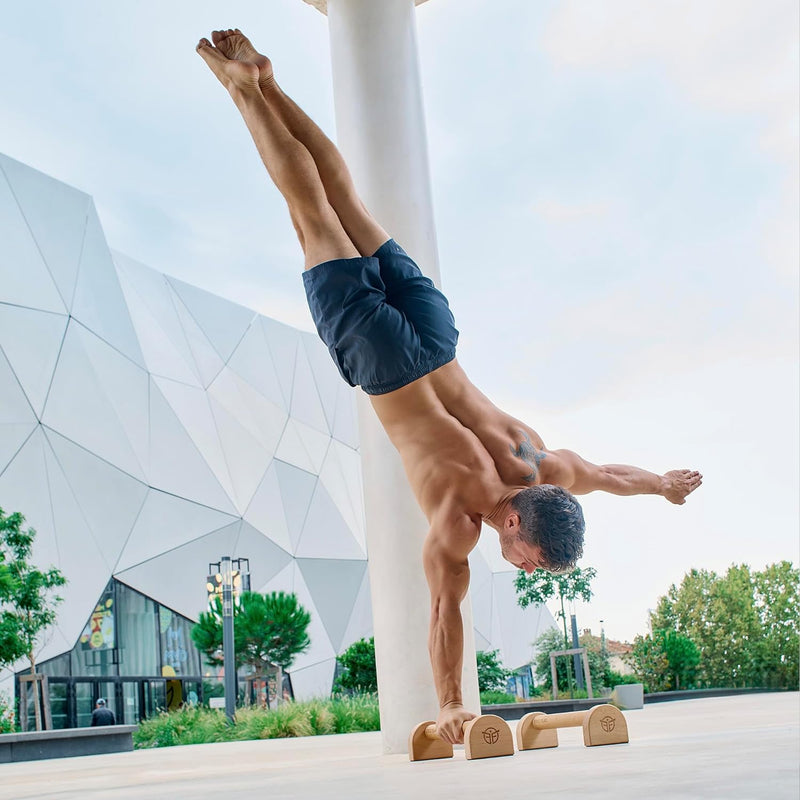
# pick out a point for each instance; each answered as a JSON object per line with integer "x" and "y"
{"x": 725, "y": 748}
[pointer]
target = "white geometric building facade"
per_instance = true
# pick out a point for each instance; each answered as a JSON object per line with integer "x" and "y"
{"x": 148, "y": 427}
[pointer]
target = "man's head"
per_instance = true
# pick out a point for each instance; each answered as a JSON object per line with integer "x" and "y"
{"x": 544, "y": 529}
{"x": 101, "y": 702}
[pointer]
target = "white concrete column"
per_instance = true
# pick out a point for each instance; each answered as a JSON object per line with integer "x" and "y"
{"x": 381, "y": 132}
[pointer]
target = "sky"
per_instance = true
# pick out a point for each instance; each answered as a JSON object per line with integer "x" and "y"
{"x": 615, "y": 192}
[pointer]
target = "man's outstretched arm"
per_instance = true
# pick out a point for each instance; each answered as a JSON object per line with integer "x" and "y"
{"x": 581, "y": 477}
{"x": 448, "y": 578}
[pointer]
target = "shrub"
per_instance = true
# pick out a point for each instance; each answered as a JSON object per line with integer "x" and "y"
{"x": 493, "y": 697}
{"x": 195, "y": 725}
{"x": 7, "y": 724}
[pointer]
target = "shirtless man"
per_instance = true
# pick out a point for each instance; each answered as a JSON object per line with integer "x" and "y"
{"x": 390, "y": 331}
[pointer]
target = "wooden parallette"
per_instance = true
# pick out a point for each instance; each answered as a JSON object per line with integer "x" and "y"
{"x": 486, "y": 736}
{"x": 603, "y": 724}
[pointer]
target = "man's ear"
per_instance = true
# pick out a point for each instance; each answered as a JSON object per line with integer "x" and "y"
{"x": 512, "y": 521}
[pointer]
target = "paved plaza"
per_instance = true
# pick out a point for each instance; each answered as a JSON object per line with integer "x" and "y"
{"x": 722, "y": 748}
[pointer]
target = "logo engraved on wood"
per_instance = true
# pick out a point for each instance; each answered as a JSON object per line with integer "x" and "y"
{"x": 491, "y": 735}
{"x": 608, "y": 724}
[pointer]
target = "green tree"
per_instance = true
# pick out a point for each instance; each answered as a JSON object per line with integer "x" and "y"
{"x": 649, "y": 662}
{"x": 492, "y": 677}
{"x": 359, "y": 671}
{"x": 744, "y": 624}
{"x": 682, "y": 659}
{"x": 551, "y": 640}
{"x": 27, "y": 600}
{"x": 776, "y": 601}
{"x": 268, "y": 630}
{"x": 541, "y": 586}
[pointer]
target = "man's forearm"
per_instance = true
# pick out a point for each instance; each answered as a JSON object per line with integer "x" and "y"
{"x": 446, "y": 647}
{"x": 625, "y": 480}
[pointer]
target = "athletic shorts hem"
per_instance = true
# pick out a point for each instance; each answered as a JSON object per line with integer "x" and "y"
{"x": 420, "y": 372}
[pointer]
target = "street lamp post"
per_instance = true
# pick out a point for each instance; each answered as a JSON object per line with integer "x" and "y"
{"x": 225, "y": 578}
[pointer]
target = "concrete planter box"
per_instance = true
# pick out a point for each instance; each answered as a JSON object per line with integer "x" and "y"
{"x": 628, "y": 695}
{"x": 65, "y": 743}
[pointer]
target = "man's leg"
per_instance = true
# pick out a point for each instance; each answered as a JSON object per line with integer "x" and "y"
{"x": 288, "y": 161}
{"x": 360, "y": 225}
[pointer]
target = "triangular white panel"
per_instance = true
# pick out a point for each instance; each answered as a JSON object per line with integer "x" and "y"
{"x": 177, "y": 465}
{"x": 99, "y": 303}
{"x": 321, "y": 647}
{"x": 84, "y": 567}
{"x": 191, "y": 407}
{"x": 313, "y": 681}
{"x": 284, "y": 581}
{"x": 206, "y": 358}
{"x": 52, "y": 644}
{"x": 166, "y": 522}
{"x": 79, "y": 407}
{"x": 316, "y": 444}
{"x": 247, "y": 458}
{"x": 14, "y": 405}
{"x": 31, "y": 341}
{"x": 326, "y": 377}
{"x": 125, "y": 385}
{"x": 349, "y": 461}
{"x": 161, "y": 355}
{"x": 265, "y": 512}
{"x": 24, "y": 277}
{"x": 109, "y": 498}
{"x": 306, "y": 404}
{"x": 345, "y": 423}
{"x": 292, "y": 449}
{"x": 360, "y": 625}
{"x": 297, "y": 489}
{"x": 157, "y": 296}
{"x": 252, "y": 361}
{"x": 333, "y": 478}
{"x": 283, "y": 343}
{"x": 325, "y": 533}
{"x": 56, "y": 214}
{"x": 12, "y": 437}
{"x": 266, "y": 558}
{"x": 334, "y": 585}
{"x": 24, "y": 488}
{"x": 223, "y": 322}
{"x": 262, "y": 419}
{"x": 177, "y": 578}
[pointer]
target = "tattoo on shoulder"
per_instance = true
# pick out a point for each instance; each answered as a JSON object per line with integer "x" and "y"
{"x": 530, "y": 455}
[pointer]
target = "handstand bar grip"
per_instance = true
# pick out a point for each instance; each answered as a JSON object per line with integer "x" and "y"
{"x": 430, "y": 731}
{"x": 571, "y": 719}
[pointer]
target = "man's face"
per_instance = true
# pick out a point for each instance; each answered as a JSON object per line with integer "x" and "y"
{"x": 521, "y": 554}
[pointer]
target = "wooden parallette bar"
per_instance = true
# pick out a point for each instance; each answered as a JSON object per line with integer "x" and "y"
{"x": 486, "y": 736}
{"x": 604, "y": 724}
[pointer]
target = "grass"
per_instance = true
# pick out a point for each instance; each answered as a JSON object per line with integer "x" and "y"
{"x": 194, "y": 725}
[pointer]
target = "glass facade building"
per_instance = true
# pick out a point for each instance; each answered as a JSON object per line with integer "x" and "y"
{"x": 135, "y": 653}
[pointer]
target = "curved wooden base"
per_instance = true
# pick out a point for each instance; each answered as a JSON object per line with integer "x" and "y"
{"x": 486, "y": 736}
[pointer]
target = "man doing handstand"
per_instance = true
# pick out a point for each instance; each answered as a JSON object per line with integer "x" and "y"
{"x": 390, "y": 331}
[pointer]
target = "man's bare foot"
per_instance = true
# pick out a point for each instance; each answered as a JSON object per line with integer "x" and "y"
{"x": 679, "y": 483}
{"x": 233, "y": 44}
{"x": 232, "y": 73}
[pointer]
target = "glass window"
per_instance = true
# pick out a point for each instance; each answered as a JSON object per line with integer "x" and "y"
{"x": 137, "y": 636}
{"x": 179, "y": 656}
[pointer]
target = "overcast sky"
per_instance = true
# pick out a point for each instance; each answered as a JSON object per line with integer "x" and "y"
{"x": 616, "y": 197}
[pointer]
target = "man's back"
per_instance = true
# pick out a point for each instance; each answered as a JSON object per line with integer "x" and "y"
{"x": 456, "y": 445}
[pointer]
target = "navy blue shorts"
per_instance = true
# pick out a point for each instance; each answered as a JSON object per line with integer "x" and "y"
{"x": 384, "y": 322}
